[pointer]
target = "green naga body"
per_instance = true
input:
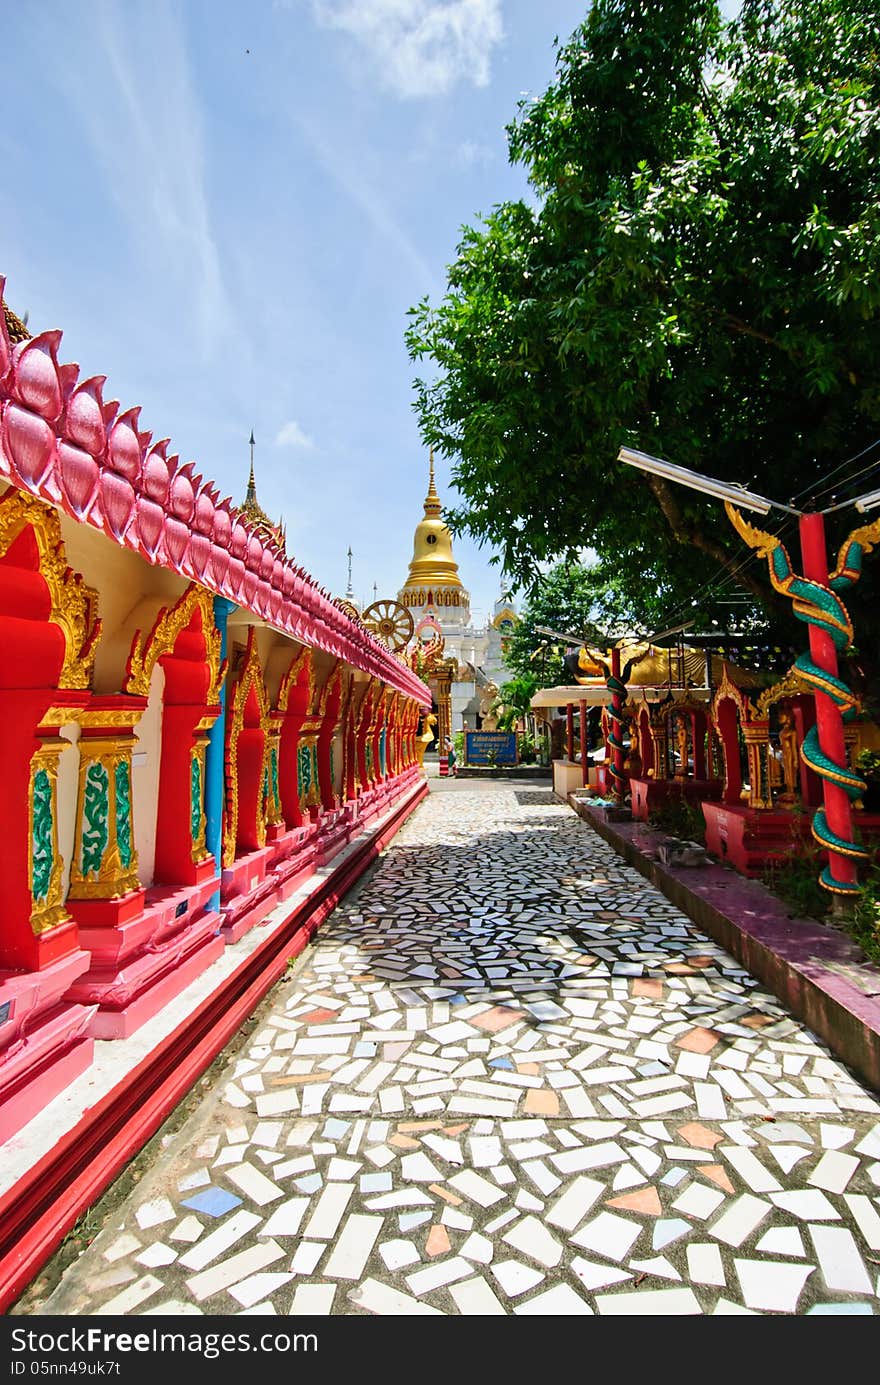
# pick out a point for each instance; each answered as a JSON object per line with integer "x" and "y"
{"x": 819, "y": 605}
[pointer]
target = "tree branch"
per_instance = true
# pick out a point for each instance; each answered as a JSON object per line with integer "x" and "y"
{"x": 685, "y": 533}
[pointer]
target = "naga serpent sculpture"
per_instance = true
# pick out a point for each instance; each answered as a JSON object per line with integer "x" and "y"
{"x": 818, "y": 605}
{"x": 617, "y": 688}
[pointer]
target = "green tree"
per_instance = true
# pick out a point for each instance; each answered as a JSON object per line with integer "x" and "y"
{"x": 514, "y": 701}
{"x": 698, "y": 276}
{"x": 568, "y": 599}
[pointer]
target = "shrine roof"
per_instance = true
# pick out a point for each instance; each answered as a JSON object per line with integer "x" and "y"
{"x": 15, "y": 328}
{"x": 62, "y": 441}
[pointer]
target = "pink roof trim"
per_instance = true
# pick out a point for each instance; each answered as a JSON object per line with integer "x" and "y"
{"x": 61, "y": 441}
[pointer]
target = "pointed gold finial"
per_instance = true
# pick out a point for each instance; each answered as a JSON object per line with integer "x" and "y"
{"x": 252, "y": 484}
{"x": 432, "y": 499}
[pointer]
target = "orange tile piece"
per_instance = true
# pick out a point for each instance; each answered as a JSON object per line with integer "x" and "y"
{"x": 528, "y": 1069}
{"x": 646, "y": 986}
{"x": 406, "y": 1126}
{"x": 646, "y": 1201}
{"x": 404, "y": 1142}
{"x": 541, "y": 1101}
{"x": 701, "y": 961}
{"x": 716, "y": 1174}
{"x": 678, "y": 969}
{"x": 456, "y": 1129}
{"x": 698, "y": 1040}
{"x": 445, "y": 1194}
{"x": 317, "y": 1016}
{"x": 499, "y": 1017}
{"x": 297, "y": 1079}
{"x": 757, "y": 1021}
{"x": 438, "y": 1241}
{"x": 699, "y": 1136}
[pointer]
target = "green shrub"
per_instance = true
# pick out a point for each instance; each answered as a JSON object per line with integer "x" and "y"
{"x": 865, "y": 924}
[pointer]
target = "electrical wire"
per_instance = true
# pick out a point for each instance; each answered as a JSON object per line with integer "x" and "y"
{"x": 857, "y": 456}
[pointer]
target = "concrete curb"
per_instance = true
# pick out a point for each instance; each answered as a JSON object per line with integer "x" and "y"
{"x": 819, "y": 973}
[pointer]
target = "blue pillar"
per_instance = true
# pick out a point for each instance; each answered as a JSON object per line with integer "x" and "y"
{"x": 215, "y": 771}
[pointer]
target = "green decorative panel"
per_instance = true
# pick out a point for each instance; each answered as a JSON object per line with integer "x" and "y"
{"x": 195, "y": 798}
{"x": 273, "y": 769}
{"x": 368, "y": 757}
{"x": 382, "y": 769}
{"x": 122, "y": 786}
{"x": 42, "y": 835}
{"x": 332, "y": 769}
{"x": 304, "y": 769}
{"x": 96, "y": 818}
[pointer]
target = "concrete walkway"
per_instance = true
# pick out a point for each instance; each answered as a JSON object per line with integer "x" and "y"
{"x": 508, "y": 1077}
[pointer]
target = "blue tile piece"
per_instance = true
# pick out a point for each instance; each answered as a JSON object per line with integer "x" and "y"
{"x": 669, "y": 1229}
{"x": 335, "y": 1129}
{"x": 501, "y": 1063}
{"x": 458, "y": 1000}
{"x": 215, "y": 1202}
{"x": 309, "y": 1184}
{"x": 409, "y": 1220}
{"x": 364, "y": 1049}
{"x": 674, "y": 1177}
{"x": 862, "y": 1310}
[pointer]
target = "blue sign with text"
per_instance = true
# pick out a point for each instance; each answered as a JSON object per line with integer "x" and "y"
{"x": 490, "y": 747}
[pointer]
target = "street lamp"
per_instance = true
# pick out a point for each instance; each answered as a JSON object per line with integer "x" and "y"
{"x": 830, "y": 634}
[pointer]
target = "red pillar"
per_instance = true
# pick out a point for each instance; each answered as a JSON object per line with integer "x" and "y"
{"x": 698, "y": 739}
{"x": 829, "y": 722}
{"x": 569, "y": 730}
{"x": 585, "y": 764}
{"x": 804, "y": 712}
{"x": 617, "y": 751}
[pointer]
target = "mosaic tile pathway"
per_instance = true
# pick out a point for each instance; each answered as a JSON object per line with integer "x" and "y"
{"x": 509, "y": 1077}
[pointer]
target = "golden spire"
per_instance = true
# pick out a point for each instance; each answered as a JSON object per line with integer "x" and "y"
{"x": 256, "y": 514}
{"x": 432, "y": 562}
{"x": 252, "y": 484}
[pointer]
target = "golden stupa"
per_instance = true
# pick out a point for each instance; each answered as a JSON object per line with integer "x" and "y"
{"x": 433, "y": 572}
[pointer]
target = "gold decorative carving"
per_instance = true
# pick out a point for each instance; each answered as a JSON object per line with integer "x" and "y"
{"x": 334, "y": 682}
{"x": 728, "y": 689}
{"x": 169, "y": 624}
{"x": 292, "y": 676}
{"x": 61, "y": 716}
{"x": 792, "y": 685}
{"x": 74, "y": 605}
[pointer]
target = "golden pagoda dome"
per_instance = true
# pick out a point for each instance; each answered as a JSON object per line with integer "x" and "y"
{"x": 433, "y": 567}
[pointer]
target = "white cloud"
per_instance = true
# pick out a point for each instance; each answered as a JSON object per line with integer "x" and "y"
{"x": 291, "y": 435}
{"x": 471, "y": 152}
{"x": 143, "y": 120}
{"x": 420, "y": 47}
{"x": 366, "y": 193}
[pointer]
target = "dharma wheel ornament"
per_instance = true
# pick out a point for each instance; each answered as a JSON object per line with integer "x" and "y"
{"x": 390, "y": 622}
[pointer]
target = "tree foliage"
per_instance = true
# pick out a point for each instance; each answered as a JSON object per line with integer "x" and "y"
{"x": 565, "y": 600}
{"x": 697, "y": 276}
{"x": 514, "y": 701}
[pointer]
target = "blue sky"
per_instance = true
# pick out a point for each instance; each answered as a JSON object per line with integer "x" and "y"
{"x": 234, "y": 237}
